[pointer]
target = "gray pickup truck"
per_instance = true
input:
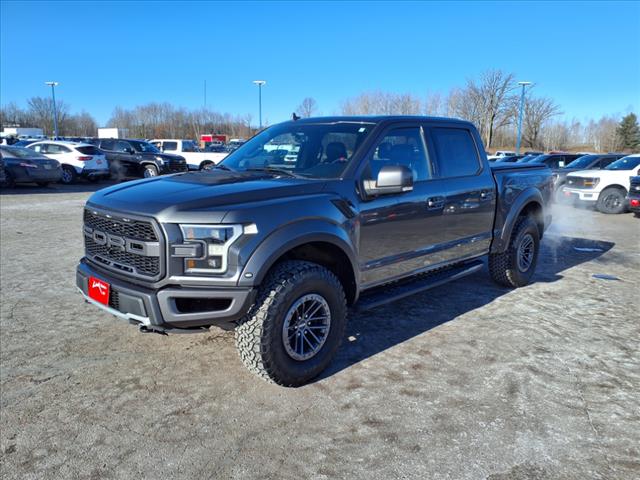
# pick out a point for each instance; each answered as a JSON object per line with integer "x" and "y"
{"x": 306, "y": 219}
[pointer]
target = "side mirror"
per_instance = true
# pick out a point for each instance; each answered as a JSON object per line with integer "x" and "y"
{"x": 391, "y": 179}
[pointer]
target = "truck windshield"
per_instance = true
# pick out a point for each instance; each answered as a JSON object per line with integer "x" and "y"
{"x": 583, "y": 162}
{"x": 625, "y": 163}
{"x": 143, "y": 147}
{"x": 309, "y": 150}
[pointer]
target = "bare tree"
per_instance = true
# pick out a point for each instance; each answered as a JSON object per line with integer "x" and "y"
{"x": 307, "y": 108}
{"x": 537, "y": 111}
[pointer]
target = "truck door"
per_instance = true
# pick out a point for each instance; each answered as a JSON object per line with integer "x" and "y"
{"x": 398, "y": 230}
{"x": 468, "y": 198}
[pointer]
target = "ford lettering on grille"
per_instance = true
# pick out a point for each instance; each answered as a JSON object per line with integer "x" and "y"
{"x": 123, "y": 245}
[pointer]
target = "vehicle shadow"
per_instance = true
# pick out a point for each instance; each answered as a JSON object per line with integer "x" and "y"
{"x": 79, "y": 187}
{"x": 372, "y": 332}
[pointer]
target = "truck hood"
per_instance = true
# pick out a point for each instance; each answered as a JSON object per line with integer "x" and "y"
{"x": 181, "y": 197}
{"x": 602, "y": 173}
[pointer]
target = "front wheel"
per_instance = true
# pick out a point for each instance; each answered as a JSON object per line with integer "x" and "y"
{"x": 515, "y": 266}
{"x": 296, "y": 324}
{"x": 150, "y": 171}
{"x": 611, "y": 200}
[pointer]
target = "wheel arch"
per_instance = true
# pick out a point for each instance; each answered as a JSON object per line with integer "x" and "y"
{"x": 319, "y": 242}
{"x": 529, "y": 202}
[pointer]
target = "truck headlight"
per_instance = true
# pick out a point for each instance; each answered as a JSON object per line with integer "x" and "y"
{"x": 591, "y": 182}
{"x": 210, "y": 246}
{"x": 160, "y": 159}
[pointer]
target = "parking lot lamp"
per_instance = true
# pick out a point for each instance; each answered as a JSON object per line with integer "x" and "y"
{"x": 524, "y": 85}
{"x": 260, "y": 83}
{"x": 55, "y": 112}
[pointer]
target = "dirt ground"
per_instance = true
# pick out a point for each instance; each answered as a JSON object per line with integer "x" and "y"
{"x": 466, "y": 381}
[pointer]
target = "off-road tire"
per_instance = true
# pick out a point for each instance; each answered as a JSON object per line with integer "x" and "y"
{"x": 504, "y": 267}
{"x": 603, "y": 205}
{"x": 69, "y": 175}
{"x": 259, "y": 335}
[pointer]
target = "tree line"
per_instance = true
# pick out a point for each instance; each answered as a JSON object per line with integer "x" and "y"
{"x": 491, "y": 101}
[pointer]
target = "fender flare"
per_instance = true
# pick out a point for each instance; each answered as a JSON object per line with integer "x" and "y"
{"x": 527, "y": 197}
{"x": 291, "y": 236}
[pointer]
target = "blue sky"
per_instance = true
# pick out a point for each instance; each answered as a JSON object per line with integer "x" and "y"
{"x": 585, "y": 55}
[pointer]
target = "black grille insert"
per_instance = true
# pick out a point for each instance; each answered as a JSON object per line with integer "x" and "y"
{"x": 132, "y": 229}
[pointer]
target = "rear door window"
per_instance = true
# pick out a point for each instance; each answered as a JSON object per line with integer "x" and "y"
{"x": 456, "y": 152}
{"x": 53, "y": 149}
{"x": 107, "y": 144}
{"x": 122, "y": 147}
{"x": 170, "y": 146}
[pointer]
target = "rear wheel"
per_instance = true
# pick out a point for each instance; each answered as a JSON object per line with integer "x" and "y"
{"x": 612, "y": 200}
{"x": 69, "y": 175}
{"x": 150, "y": 171}
{"x": 296, "y": 324}
{"x": 207, "y": 165}
{"x": 515, "y": 266}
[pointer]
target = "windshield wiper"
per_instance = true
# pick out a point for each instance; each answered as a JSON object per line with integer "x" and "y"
{"x": 220, "y": 166}
{"x": 274, "y": 170}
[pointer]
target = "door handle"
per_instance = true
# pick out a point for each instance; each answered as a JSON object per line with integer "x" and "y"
{"x": 486, "y": 194}
{"x": 435, "y": 203}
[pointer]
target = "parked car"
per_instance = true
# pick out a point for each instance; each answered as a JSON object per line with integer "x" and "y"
{"x": 606, "y": 188}
{"x": 501, "y": 153}
{"x": 78, "y": 160}
{"x": 634, "y": 195}
{"x": 586, "y": 162}
{"x": 278, "y": 250}
{"x": 137, "y": 158}
{"x": 196, "y": 158}
{"x": 556, "y": 160}
{"x": 26, "y": 143}
{"x": 509, "y": 159}
{"x": 21, "y": 165}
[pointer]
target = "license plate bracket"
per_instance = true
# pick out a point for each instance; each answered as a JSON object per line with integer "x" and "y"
{"x": 99, "y": 290}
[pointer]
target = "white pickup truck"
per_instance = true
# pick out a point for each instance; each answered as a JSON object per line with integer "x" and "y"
{"x": 196, "y": 158}
{"x": 606, "y": 188}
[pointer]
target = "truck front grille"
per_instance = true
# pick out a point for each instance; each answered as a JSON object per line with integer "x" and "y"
{"x": 128, "y": 246}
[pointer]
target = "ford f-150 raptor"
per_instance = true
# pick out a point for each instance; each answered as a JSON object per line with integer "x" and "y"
{"x": 370, "y": 210}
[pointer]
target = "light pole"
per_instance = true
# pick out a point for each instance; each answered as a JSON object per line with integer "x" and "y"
{"x": 524, "y": 85}
{"x": 260, "y": 83}
{"x": 55, "y": 112}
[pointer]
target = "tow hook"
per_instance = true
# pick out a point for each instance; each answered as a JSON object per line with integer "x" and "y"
{"x": 145, "y": 329}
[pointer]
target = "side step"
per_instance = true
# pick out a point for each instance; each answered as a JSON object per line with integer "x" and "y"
{"x": 390, "y": 293}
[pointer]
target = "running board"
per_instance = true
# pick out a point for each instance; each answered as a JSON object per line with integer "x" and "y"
{"x": 382, "y": 295}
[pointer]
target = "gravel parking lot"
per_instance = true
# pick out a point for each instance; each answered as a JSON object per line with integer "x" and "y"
{"x": 466, "y": 381}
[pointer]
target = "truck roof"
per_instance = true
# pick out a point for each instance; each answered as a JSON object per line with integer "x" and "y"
{"x": 373, "y": 119}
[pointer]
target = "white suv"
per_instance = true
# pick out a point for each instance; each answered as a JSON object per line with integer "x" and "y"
{"x": 196, "y": 158}
{"x": 606, "y": 188}
{"x": 77, "y": 159}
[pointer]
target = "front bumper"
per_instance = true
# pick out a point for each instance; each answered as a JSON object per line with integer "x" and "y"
{"x": 580, "y": 194}
{"x": 168, "y": 309}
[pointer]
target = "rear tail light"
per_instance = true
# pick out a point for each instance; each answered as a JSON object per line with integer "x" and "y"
{"x": 84, "y": 158}
{"x": 634, "y": 202}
